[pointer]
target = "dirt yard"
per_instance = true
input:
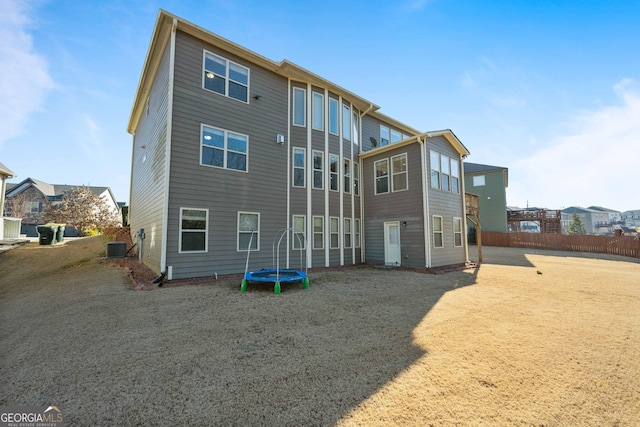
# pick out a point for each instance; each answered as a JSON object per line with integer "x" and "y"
{"x": 528, "y": 338}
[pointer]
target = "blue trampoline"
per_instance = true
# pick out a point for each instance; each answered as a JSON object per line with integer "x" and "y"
{"x": 275, "y": 275}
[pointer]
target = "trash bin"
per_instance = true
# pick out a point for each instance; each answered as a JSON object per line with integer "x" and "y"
{"x": 60, "y": 233}
{"x": 47, "y": 234}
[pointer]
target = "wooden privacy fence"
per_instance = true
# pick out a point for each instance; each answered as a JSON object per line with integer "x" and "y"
{"x": 625, "y": 245}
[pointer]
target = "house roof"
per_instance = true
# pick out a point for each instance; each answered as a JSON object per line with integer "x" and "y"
{"x": 52, "y": 191}
{"x": 6, "y": 171}
{"x": 477, "y": 167}
{"x": 578, "y": 209}
{"x": 601, "y": 209}
{"x": 446, "y": 133}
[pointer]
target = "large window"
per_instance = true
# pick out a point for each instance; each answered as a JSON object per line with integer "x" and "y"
{"x": 318, "y": 232}
{"x": 399, "y": 172}
{"x": 347, "y": 175}
{"x": 347, "y": 232}
{"x": 318, "y": 111}
{"x": 356, "y": 233}
{"x": 384, "y": 135}
{"x": 193, "y": 229}
{"x": 299, "y": 106}
{"x": 299, "y": 231}
{"x": 346, "y": 122}
{"x": 318, "y": 170}
{"x": 333, "y": 172}
{"x": 457, "y": 232}
{"x": 225, "y": 77}
{"x": 455, "y": 176}
{"x": 223, "y": 149}
{"x": 438, "y": 241}
{"x": 335, "y": 232}
{"x": 299, "y": 163}
{"x": 333, "y": 116}
{"x": 435, "y": 170}
{"x": 248, "y": 231}
{"x": 356, "y": 127}
{"x": 382, "y": 176}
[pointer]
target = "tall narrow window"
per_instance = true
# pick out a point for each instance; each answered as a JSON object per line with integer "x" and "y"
{"x": 347, "y": 232}
{"x": 399, "y": 172}
{"x": 335, "y": 233}
{"x": 299, "y": 163}
{"x": 333, "y": 172}
{"x": 333, "y": 116}
{"x": 193, "y": 230}
{"x": 356, "y": 179}
{"x": 356, "y": 232}
{"x": 346, "y": 122}
{"x": 457, "y": 232}
{"x": 438, "y": 241}
{"x": 382, "y": 176}
{"x": 444, "y": 165}
{"x": 318, "y": 111}
{"x": 435, "y": 170}
{"x": 299, "y": 231}
{"x": 347, "y": 175}
{"x": 299, "y": 106}
{"x": 455, "y": 176}
{"x": 318, "y": 170}
{"x": 225, "y": 77}
{"x": 384, "y": 135}
{"x": 318, "y": 232}
{"x": 248, "y": 231}
{"x": 356, "y": 127}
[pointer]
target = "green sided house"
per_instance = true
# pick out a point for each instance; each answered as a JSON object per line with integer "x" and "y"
{"x": 230, "y": 148}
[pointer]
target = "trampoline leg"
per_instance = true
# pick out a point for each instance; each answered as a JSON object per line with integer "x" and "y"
{"x": 305, "y": 283}
{"x": 276, "y": 288}
{"x": 243, "y": 286}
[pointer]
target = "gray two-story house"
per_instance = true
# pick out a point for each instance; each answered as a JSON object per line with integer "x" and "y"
{"x": 230, "y": 148}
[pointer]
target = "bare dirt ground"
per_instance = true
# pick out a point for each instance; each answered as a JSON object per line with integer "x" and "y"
{"x": 493, "y": 346}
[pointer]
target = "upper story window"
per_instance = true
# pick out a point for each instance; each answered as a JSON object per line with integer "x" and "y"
{"x": 395, "y": 136}
{"x": 346, "y": 122}
{"x": 318, "y": 170}
{"x": 347, "y": 175}
{"x": 399, "y": 172}
{"x": 384, "y": 135}
{"x": 35, "y": 207}
{"x": 223, "y": 149}
{"x": 299, "y": 163}
{"x": 225, "y": 77}
{"x": 333, "y": 116}
{"x": 446, "y": 173}
{"x": 299, "y": 106}
{"x": 356, "y": 127}
{"x": 333, "y": 172}
{"x": 318, "y": 111}
{"x": 455, "y": 176}
{"x": 435, "y": 169}
{"x": 478, "y": 181}
{"x": 382, "y": 176}
{"x": 356, "y": 179}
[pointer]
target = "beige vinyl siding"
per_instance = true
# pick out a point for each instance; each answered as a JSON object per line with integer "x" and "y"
{"x": 149, "y": 166}
{"x": 445, "y": 204}
{"x": 262, "y": 189}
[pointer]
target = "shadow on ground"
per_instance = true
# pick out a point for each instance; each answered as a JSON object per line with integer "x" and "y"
{"x": 205, "y": 354}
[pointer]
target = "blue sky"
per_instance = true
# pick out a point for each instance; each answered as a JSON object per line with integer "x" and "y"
{"x": 548, "y": 89}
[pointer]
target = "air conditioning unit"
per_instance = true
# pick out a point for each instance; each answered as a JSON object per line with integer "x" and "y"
{"x": 116, "y": 249}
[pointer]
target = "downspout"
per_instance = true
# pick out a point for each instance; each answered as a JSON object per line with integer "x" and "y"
{"x": 309, "y": 170}
{"x": 464, "y": 210}
{"x": 425, "y": 201}
{"x": 289, "y": 166}
{"x": 167, "y": 171}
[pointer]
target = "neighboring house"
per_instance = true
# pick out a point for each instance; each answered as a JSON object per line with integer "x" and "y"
{"x": 39, "y": 194}
{"x": 612, "y": 221}
{"x": 631, "y": 218}
{"x": 490, "y": 184}
{"x": 593, "y": 219}
{"x": 9, "y": 227}
{"x": 229, "y": 148}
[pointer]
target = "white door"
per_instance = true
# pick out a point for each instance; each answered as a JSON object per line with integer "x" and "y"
{"x": 392, "y": 254}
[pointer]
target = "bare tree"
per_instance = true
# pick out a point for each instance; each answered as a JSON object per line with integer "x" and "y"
{"x": 16, "y": 206}
{"x": 83, "y": 210}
